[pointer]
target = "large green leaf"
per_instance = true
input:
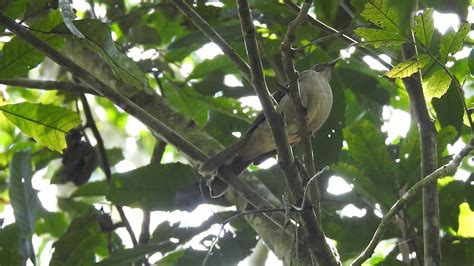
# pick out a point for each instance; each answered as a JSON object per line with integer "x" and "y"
{"x": 437, "y": 84}
{"x": 47, "y": 124}
{"x": 367, "y": 147}
{"x": 152, "y": 187}
{"x": 452, "y": 41}
{"x": 78, "y": 245}
{"x": 23, "y": 198}
{"x": 19, "y": 57}
{"x": 380, "y": 13}
{"x": 449, "y": 109}
{"x": 379, "y": 38}
{"x": 409, "y": 67}
{"x": 10, "y": 245}
{"x": 424, "y": 27}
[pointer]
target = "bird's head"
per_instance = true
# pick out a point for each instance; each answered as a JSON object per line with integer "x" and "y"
{"x": 326, "y": 68}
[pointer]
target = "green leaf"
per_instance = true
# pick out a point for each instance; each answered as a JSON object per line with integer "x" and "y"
{"x": 23, "y": 198}
{"x": 210, "y": 65}
{"x": 13, "y": 9}
{"x": 379, "y": 38}
{"x": 437, "y": 84}
{"x": 423, "y": 27}
{"x": 445, "y": 136}
{"x": 10, "y": 245}
{"x": 78, "y": 245}
{"x": 53, "y": 223}
{"x": 128, "y": 256}
{"x": 378, "y": 12}
{"x": 98, "y": 188}
{"x": 47, "y": 124}
{"x": 449, "y": 109}
{"x": 452, "y": 41}
{"x": 152, "y": 187}
{"x": 470, "y": 61}
{"x": 367, "y": 147}
{"x": 19, "y": 57}
{"x": 98, "y": 38}
{"x": 409, "y": 67}
{"x": 410, "y": 157}
{"x": 68, "y": 16}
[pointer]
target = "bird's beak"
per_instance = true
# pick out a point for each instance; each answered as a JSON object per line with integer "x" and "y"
{"x": 333, "y": 62}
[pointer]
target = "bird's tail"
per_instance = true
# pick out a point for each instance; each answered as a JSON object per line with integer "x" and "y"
{"x": 224, "y": 157}
{"x": 228, "y": 157}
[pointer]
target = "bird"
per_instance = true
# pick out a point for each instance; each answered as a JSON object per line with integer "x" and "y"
{"x": 257, "y": 143}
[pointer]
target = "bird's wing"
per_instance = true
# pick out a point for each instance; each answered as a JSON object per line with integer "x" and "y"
{"x": 277, "y": 95}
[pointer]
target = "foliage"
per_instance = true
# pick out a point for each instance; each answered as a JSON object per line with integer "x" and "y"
{"x": 150, "y": 48}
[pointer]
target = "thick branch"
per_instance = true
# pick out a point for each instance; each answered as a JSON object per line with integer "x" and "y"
{"x": 240, "y": 194}
{"x": 315, "y": 238}
{"x": 431, "y": 241}
{"x": 212, "y": 35}
{"x": 445, "y": 170}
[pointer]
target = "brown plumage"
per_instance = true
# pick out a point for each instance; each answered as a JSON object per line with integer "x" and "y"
{"x": 257, "y": 143}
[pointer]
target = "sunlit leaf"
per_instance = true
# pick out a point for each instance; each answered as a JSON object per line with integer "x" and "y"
{"x": 379, "y": 38}
{"x": 409, "y": 67}
{"x": 424, "y": 27}
{"x": 379, "y": 13}
{"x": 437, "y": 84}
{"x": 47, "y": 124}
{"x": 466, "y": 221}
{"x": 452, "y": 41}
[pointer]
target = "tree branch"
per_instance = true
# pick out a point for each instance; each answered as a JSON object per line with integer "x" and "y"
{"x": 49, "y": 85}
{"x": 431, "y": 242}
{"x": 301, "y": 110}
{"x": 212, "y": 35}
{"x": 104, "y": 163}
{"x": 320, "y": 25}
{"x": 268, "y": 227}
{"x": 314, "y": 236}
{"x": 445, "y": 170}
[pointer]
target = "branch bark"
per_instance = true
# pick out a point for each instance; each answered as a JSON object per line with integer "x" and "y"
{"x": 429, "y": 161}
{"x": 313, "y": 234}
{"x": 212, "y": 35}
{"x": 48, "y": 85}
{"x": 154, "y": 112}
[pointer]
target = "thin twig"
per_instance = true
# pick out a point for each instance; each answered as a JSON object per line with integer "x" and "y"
{"x": 228, "y": 220}
{"x": 212, "y": 35}
{"x": 294, "y": 90}
{"x": 195, "y": 154}
{"x": 445, "y": 170}
{"x": 314, "y": 236}
{"x": 105, "y": 162}
{"x": 320, "y": 25}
